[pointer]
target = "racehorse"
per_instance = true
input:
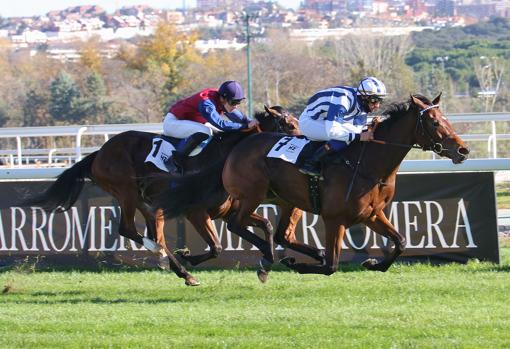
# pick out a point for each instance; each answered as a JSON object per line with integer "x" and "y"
{"x": 119, "y": 167}
{"x": 358, "y": 183}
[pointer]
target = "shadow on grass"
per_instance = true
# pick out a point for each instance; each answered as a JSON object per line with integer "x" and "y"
{"x": 35, "y": 264}
{"x": 96, "y": 300}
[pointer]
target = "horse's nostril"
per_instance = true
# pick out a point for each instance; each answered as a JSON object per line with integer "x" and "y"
{"x": 463, "y": 151}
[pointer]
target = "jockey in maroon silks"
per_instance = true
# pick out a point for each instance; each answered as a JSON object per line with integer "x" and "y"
{"x": 197, "y": 117}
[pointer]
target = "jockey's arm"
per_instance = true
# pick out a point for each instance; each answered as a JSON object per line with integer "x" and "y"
{"x": 341, "y": 129}
{"x": 208, "y": 110}
{"x": 237, "y": 116}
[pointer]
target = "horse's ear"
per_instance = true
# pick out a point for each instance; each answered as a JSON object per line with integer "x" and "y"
{"x": 417, "y": 102}
{"x": 272, "y": 111}
{"x": 437, "y": 99}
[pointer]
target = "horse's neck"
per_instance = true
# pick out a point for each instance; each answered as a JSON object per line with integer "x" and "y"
{"x": 384, "y": 159}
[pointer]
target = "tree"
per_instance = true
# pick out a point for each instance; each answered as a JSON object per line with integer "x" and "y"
{"x": 90, "y": 54}
{"x": 35, "y": 110}
{"x": 167, "y": 53}
{"x": 65, "y": 99}
{"x": 95, "y": 104}
{"x": 3, "y": 115}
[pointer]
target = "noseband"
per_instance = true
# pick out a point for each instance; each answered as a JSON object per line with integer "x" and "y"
{"x": 434, "y": 146}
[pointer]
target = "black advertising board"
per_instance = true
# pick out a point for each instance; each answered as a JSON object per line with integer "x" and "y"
{"x": 444, "y": 216}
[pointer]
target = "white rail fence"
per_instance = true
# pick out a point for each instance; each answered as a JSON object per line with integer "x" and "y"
{"x": 408, "y": 166}
{"x": 21, "y": 158}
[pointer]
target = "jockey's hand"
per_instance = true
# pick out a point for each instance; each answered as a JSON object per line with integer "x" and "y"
{"x": 253, "y": 123}
{"x": 366, "y": 136}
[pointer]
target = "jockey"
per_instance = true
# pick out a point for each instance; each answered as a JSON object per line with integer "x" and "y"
{"x": 337, "y": 115}
{"x": 197, "y": 117}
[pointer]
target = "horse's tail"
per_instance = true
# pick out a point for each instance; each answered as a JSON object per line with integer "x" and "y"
{"x": 182, "y": 194}
{"x": 64, "y": 192}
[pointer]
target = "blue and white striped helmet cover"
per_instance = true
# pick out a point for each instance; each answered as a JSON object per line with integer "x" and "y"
{"x": 370, "y": 86}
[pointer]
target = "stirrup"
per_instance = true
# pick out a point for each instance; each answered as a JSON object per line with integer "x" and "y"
{"x": 309, "y": 172}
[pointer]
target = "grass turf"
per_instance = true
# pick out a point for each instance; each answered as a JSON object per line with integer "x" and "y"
{"x": 411, "y": 306}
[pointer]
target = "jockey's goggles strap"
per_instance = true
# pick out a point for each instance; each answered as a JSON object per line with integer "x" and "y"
{"x": 429, "y": 107}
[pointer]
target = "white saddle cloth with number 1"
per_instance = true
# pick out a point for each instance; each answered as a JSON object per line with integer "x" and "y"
{"x": 161, "y": 151}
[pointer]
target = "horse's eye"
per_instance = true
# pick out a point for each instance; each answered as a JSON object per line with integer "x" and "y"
{"x": 435, "y": 123}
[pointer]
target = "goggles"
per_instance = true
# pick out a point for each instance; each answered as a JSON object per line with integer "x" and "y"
{"x": 374, "y": 99}
{"x": 234, "y": 102}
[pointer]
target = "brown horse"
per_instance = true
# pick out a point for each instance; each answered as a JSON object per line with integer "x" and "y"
{"x": 119, "y": 167}
{"x": 349, "y": 194}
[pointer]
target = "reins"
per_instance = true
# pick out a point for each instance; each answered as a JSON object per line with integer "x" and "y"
{"x": 436, "y": 147}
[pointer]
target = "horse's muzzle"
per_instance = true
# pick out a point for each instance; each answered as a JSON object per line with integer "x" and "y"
{"x": 461, "y": 155}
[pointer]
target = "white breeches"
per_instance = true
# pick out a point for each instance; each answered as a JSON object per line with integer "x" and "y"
{"x": 323, "y": 130}
{"x": 174, "y": 127}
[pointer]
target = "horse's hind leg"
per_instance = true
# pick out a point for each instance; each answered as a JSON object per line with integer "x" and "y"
{"x": 204, "y": 226}
{"x": 335, "y": 232}
{"x": 383, "y": 226}
{"x": 127, "y": 228}
{"x": 155, "y": 223}
{"x": 286, "y": 233}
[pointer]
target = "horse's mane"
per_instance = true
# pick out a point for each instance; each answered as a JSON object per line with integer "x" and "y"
{"x": 395, "y": 110}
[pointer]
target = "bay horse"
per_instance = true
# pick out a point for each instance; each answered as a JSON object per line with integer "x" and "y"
{"x": 348, "y": 194}
{"x": 119, "y": 168}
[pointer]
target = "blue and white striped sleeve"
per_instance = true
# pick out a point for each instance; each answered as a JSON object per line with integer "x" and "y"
{"x": 208, "y": 111}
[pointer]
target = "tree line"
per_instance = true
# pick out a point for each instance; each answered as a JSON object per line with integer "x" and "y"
{"x": 149, "y": 74}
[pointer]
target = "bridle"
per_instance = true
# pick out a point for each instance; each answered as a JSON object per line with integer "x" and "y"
{"x": 433, "y": 145}
{"x": 280, "y": 122}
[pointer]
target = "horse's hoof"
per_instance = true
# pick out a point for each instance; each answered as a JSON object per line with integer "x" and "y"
{"x": 164, "y": 263}
{"x": 262, "y": 275}
{"x": 369, "y": 263}
{"x": 288, "y": 261}
{"x": 191, "y": 281}
{"x": 373, "y": 264}
{"x": 183, "y": 252}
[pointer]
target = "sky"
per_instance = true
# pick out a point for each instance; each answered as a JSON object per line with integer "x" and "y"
{"x": 18, "y": 8}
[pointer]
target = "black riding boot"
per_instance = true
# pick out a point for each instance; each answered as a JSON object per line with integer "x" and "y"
{"x": 311, "y": 165}
{"x": 185, "y": 148}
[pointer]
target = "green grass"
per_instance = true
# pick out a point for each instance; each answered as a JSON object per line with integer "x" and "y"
{"x": 503, "y": 195}
{"x": 418, "y": 306}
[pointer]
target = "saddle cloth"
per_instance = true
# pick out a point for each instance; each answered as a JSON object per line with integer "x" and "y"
{"x": 163, "y": 147}
{"x": 293, "y": 149}
{"x": 160, "y": 153}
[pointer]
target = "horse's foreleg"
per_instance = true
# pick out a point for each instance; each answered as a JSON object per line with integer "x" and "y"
{"x": 334, "y": 235}
{"x": 237, "y": 223}
{"x": 202, "y": 223}
{"x": 286, "y": 233}
{"x": 383, "y": 226}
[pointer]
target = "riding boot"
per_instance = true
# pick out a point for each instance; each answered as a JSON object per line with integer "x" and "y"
{"x": 311, "y": 165}
{"x": 180, "y": 154}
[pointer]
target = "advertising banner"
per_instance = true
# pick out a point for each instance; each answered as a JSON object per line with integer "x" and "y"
{"x": 445, "y": 217}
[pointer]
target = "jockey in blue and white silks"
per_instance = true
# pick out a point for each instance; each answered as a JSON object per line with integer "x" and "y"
{"x": 338, "y": 115}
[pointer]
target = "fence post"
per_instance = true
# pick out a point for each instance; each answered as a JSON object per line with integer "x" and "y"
{"x": 78, "y": 142}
